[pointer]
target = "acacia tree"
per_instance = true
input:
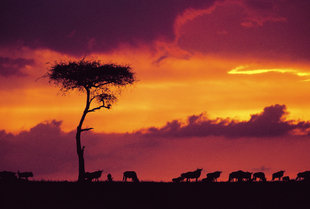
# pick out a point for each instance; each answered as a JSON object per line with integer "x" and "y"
{"x": 100, "y": 82}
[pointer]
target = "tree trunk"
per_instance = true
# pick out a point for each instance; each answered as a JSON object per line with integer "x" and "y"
{"x": 80, "y": 153}
{"x": 79, "y": 148}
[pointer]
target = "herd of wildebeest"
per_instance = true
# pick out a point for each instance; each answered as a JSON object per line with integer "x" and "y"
{"x": 236, "y": 176}
{"x": 240, "y": 176}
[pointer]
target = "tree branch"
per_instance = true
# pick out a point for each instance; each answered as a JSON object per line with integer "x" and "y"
{"x": 98, "y": 108}
{"x": 92, "y": 99}
{"x": 102, "y": 84}
{"x": 86, "y": 129}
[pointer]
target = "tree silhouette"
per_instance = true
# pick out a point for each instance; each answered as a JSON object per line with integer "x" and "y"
{"x": 100, "y": 82}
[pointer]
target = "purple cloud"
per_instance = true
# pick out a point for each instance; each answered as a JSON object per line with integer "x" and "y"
{"x": 45, "y": 144}
{"x": 270, "y": 123}
{"x": 46, "y": 150}
{"x": 81, "y": 27}
{"x": 270, "y": 29}
{"x": 12, "y": 67}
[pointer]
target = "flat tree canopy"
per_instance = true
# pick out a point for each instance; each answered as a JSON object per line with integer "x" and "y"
{"x": 91, "y": 75}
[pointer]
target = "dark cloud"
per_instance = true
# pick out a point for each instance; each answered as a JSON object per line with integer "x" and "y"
{"x": 47, "y": 150}
{"x": 13, "y": 67}
{"x": 43, "y": 149}
{"x": 272, "y": 29}
{"x": 269, "y": 29}
{"x": 270, "y": 123}
{"x": 80, "y": 27}
{"x": 261, "y": 4}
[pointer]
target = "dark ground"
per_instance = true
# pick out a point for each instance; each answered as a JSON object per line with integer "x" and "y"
{"x": 147, "y": 195}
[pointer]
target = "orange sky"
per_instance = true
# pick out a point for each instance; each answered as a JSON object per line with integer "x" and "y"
{"x": 177, "y": 86}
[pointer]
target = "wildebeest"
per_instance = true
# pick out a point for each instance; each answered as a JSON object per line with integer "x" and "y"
{"x": 259, "y": 175}
{"x": 212, "y": 177}
{"x": 130, "y": 174}
{"x": 178, "y": 179}
{"x": 24, "y": 175}
{"x": 303, "y": 176}
{"x": 7, "y": 176}
{"x": 240, "y": 176}
{"x": 90, "y": 176}
{"x": 109, "y": 178}
{"x": 277, "y": 175}
{"x": 192, "y": 175}
{"x": 286, "y": 178}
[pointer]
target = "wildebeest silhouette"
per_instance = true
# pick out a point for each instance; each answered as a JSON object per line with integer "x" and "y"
{"x": 212, "y": 177}
{"x": 286, "y": 178}
{"x": 178, "y": 179}
{"x": 24, "y": 175}
{"x": 240, "y": 176}
{"x": 7, "y": 176}
{"x": 303, "y": 176}
{"x": 109, "y": 178}
{"x": 130, "y": 174}
{"x": 192, "y": 175}
{"x": 259, "y": 175}
{"x": 90, "y": 176}
{"x": 277, "y": 175}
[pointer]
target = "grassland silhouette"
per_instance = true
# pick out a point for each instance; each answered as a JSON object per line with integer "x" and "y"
{"x": 243, "y": 193}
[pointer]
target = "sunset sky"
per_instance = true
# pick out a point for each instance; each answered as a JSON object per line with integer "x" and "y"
{"x": 221, "y": 85}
